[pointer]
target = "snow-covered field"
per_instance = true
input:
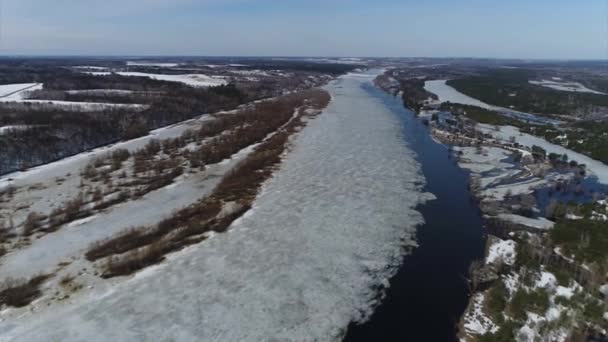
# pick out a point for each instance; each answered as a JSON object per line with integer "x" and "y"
{"x": 194, "y": 80}
{"x": 73, "y": 164}
{"x": 71, "y": 242}
{"x": 100, "y": 91}
{"x": 15, "y": 92}
{"x": 153, "y": 64}
{"x": 566, "y": 86}
{"x": 77, "y": 106}
{"x": 327, "y": 230}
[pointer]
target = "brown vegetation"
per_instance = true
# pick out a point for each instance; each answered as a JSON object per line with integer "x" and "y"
{"x": 19, "y": 293}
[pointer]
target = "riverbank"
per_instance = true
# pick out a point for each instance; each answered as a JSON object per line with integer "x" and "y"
{"x": 540, "y": 203}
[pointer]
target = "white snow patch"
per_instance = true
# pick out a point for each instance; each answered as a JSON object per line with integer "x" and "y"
{"x": 194, "y": 80}
{"x": 566, "y": 292}
{"x": 566, "y": 86}
{"x": 539, "y": 223}
{"x": 476, "y": 322}
{"x": 547, "y": 280}
{"x": 153, "y": 64}
{"x": 502, "y": 250}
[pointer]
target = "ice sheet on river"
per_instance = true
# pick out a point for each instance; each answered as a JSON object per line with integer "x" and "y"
{"x": 325, "y": 233}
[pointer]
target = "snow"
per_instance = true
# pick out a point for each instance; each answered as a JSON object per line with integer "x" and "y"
{"x": 547, "y": 280}
{"x": 251, "y": 72}
{"x": 152, "y": 64}
{"x": 449, "y": 94}
{"x": 597, "y": 168}
{"x": 194, "y": 80}
{"x": 4, "y": 129}
{"x": 503, "y": 250}
{"x": 17, "y": 91}
{"x": 77, "y": 106}
{"x": 566, "y": 86}
{"x": 100, "y": 91}
{"x": 573, "y": 217}
{"x": 476, "y": 322}
{"x": 539, "y": 223}
{"x": 75, "y": 163}
{"x": 73, "y": 240}
{"x": 327, "y": 230}
{"x": 566, "y": 292}
{"x": 90, "y": 67}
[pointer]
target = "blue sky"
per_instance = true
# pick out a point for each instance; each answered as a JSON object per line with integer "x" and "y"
{"x": 432, "y": 28}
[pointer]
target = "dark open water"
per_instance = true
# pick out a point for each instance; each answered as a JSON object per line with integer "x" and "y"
{"x": 429, "y": 293}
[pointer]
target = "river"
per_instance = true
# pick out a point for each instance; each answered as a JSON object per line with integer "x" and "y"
{"x": 429, "y": 293}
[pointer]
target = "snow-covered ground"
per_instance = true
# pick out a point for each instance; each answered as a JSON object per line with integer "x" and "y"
{"x": 476, "y": 321}
{"x": 76, "y": 106}
{"x": 72, "y": 241}
{"x": 15, "y": 92}
{"x": 566, "y": 86}
{"x": 153, "y": 64}
{"x": 445, "y": 93}
{"x": 4, "y": 129}
{"x": 100, "y": 91}
{"x": 194, "y": 80}
{"x": 327, "y": 230}
{"x": 73, "y": 164}
{"x": 503, "y": 250}
{"x": 539, "y": 223}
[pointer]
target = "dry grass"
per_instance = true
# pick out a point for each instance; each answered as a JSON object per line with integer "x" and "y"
{"x": 20, "y": 293}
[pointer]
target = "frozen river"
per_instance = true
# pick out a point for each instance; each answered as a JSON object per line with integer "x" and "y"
{"x": 323, "y": 238}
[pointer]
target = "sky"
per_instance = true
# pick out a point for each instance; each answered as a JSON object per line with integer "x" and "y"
{"x": 556, "y": 29}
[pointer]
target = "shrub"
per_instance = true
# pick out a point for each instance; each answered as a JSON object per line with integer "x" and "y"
{"x": 524, "y": 300}
{"x": 19, "y": 293}
{"x": 32, "y": 222}
{"x": 497, "y": 301}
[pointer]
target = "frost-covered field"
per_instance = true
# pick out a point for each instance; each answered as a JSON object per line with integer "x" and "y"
{"x": 194, "y": 80}
{"x": 566, "y": 86}
{"x": 326, "y": 231}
